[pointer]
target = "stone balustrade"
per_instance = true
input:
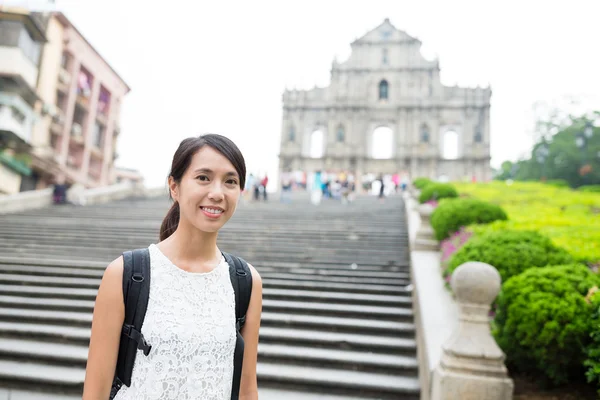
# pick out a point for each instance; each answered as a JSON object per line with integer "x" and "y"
{"x": 459, "y": 358}
{"x": 472, "y": 364}
{"x": 79, "y": 195}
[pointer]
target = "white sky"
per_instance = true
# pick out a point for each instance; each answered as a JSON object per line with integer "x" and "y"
{"x": 199, "y": 66}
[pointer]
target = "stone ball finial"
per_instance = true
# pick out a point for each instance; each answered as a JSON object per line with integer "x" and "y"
{"x": 476, "y": 283}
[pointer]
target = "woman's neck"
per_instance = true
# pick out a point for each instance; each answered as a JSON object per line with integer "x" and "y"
{"x": 191, "y": 244}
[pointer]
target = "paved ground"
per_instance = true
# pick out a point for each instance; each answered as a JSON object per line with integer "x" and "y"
{"x": 265, "y": 394}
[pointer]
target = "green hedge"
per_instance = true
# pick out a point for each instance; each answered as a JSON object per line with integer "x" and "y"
{"x": 452, "y": 214}
{"x": 589, "y": 188}
{"x": 592, "y": 363}
{"x": 420, "y": 183}
{"x": 511, "y": 252}
{"x": 437, "y": 191}
{"x": 543, "y": 321}
{"x": 561, "y": 183}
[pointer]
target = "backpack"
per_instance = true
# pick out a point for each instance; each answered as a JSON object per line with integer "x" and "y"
{"x": 136, "y": 289}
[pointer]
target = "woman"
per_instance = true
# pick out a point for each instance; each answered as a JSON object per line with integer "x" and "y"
{"x": 190, "y": 320}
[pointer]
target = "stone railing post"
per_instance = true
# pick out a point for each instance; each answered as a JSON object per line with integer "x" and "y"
{"x": 425, "y": 238}
{"x": 472, "y": 364}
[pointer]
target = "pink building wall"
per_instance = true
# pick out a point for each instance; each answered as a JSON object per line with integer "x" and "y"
{"x": 78, "y": 157}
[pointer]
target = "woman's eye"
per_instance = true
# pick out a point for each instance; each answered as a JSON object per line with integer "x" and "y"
{"x": 202, "y": 178}
{"x": 232, "y": 182}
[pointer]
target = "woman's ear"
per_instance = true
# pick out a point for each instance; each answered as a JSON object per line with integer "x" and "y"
{"x": 173, "y": 189}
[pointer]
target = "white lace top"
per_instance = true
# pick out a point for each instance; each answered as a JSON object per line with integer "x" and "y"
{"x": 190, "y": 323}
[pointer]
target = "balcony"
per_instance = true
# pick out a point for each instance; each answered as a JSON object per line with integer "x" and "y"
{"x": 16, "y": 118}
{"x": 15, "y": 63}
{"x": 64, "y": 80}
{"x": 58, "y": 123}
{"x": 77, "y": 133}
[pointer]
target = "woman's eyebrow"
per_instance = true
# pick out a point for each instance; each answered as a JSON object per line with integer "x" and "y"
{"x": 210, "y": 171}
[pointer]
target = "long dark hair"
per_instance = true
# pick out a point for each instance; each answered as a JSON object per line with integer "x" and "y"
{"x": 182, "y": 160}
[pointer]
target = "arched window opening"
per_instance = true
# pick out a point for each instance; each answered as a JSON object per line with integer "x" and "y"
{"x": 383, "y": 144}
{"x": 383, "y": 90}
{"x": 292, "y": 134}
{"x": 478, "y": 137}
{"x": 316, "y": 144}
{"x": 450, "y": 149}
{"x": 424, "y": 134}
{"x": 341, "y": 134}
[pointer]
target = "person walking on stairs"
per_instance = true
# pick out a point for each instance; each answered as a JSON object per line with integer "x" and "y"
{"x": 198, "y": 335}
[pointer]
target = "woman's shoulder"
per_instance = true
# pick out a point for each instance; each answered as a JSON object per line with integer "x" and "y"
{"x": 256, "y": 278}
{"x": 114, "y": 269}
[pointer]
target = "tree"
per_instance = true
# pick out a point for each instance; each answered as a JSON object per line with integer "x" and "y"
{"x": 567, "y": 154}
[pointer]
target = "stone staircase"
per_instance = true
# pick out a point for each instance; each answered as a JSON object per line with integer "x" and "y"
{"x": 337, "y": 311}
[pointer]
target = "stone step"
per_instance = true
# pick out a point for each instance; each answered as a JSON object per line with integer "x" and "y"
{"x": 27, "y": 349}
{"x": 43, "y": 352}
{"x": 91, "y": 283}
{"x": 43, "y": 325}
{"x": 98, "y": 272}
{"x": 40, "y": 325}
{"x": 53, "y": 378}
{"x": 365, "y": 384}
{"x": 337, "y": 287}
{"x": 330, "y": 268}
{"x": 295, "y": 307}
{"x": 336, "y": 324}
{"x": 268, "y": 293}
{"x": 68, "y": 318}
{"x": 347, "y": 310}
{"x": 333, "y": 381}
{"x": 339, "y": 340}
{"x": 339, "y": 359}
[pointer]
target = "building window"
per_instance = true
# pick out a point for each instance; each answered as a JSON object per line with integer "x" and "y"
{"x": 478, "y": 138}
{"x": 317, "y": 144}
{"x": 30, "y": 47}
{"x": 103, "y": 102}
{"x": 384, "y": 56}
{"x": 17, "y": 115}
{"x": 14, "y": 34}
{"x": 84, "y": 84}
{"x": 382, "y": 143}
{"x": 424, "y": 134}
{"x": 451, "y": 143}
{"x": 383, "y": 90}
{"x": 98, "y": 135}
{"x": 9, "y": 33}
{"x": 291, "y": 134}
{"x": 64, "y": 60}
{"x": 341, "y": 134}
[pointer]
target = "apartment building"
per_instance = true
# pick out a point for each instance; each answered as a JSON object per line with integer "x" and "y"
{"x": 76, "y": 103}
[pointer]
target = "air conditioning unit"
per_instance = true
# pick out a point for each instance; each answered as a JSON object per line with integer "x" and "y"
{"x": 76, "y": 129}
{"x": 49, "y": 109}
{"x": 59, "y": 118}
{"x": 64, "y": 76}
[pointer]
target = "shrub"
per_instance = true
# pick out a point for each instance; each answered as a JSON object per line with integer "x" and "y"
{"x": 420, "y": 183}
{"x": 453, "y": 214}
{"x": 560, "y": 183}
{"x": 592, "y": 363}
{"x": 568, "y": 217}
{"x": 436, "y": 191}
{"x": 589, "y": 188}
{"x": 543, "y": 322}
{"x": 511, "y": 252}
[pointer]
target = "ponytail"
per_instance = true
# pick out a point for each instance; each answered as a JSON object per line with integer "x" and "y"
{"x": 169, "y": 224}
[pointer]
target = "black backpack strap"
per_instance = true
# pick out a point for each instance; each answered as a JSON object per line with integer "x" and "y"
{"x": 136, "y": 291}
{"x": 241, "y": 280}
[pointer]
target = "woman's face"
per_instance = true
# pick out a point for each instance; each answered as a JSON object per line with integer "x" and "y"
{"x": 209, "y": 190}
